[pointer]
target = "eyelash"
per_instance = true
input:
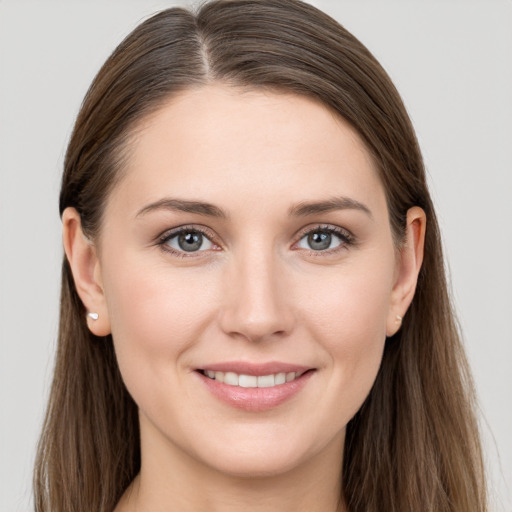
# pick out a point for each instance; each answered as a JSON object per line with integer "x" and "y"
{"x": 168, "y": 235}
{"x": 346, "y": 238}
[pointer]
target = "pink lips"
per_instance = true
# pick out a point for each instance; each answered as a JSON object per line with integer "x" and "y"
{"x": 255, "y": 399}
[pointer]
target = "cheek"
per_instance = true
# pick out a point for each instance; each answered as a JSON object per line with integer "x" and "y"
{"x": 155, "y": 316}
{"x": 351, "y": 303}
{"x": 349, "y": 321}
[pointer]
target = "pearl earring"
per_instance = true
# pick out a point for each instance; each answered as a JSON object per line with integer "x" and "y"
{"x": 93, "y": 316}
{"x": 399, "y": 319}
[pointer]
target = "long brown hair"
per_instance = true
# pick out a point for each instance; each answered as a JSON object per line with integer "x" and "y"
{"x": 413, "y": 445}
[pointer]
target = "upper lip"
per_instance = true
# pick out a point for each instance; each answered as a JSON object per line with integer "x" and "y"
{"x": 245, "y": 368}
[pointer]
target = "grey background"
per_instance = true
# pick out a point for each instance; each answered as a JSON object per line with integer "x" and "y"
{"x": 452, "y": 62}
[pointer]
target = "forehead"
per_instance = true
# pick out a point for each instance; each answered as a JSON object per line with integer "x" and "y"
{"x": 223, "y": 143}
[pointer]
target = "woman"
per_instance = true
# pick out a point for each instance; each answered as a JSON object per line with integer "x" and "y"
{"x": 254, "y": 309}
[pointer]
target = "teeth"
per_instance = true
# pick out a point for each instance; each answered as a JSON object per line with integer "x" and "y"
{"x": 253, "y": 381}
{"x": 248, "y": 381}
{"x": 280, "y": 378}
{"x": 231, "y": 378}
{"x": 266, "y": 381}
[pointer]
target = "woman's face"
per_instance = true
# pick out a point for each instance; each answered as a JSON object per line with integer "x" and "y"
{"x": 247, "y": 241}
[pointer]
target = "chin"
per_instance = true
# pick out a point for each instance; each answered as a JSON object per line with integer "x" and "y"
{"x": 261, "y": 464}
{"x": 267, "y": 452}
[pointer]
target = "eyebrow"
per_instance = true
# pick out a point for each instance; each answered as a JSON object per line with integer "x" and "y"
{"x": 304, "y": 209}
{"x": 182, "y": 205}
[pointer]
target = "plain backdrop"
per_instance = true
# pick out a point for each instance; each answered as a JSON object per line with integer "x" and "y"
{"x": 451, "y": 61}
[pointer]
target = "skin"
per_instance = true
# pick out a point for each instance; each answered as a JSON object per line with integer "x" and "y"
{"x": 258, "y": 292}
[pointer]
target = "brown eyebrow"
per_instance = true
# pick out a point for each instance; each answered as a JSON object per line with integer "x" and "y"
{"x": 305, "y": 209}
{"x": 302, "y": 209}
{"x": 182, "y": 205}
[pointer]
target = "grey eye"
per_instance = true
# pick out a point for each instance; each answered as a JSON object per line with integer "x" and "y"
{"x": 189, "y": 241}
{"x": 320, "y": 240}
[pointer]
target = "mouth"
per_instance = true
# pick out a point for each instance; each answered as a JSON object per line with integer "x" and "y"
{"x": 253, "y": 381}
{"x": 254, "y": 388}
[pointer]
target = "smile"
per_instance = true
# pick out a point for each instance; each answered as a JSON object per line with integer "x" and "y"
{"x": 252, "y": 381}
{"x": 254, "y": 387}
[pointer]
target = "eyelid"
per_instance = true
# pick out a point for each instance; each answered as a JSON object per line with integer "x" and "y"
{"x": 347, "y": 238}
{"x": 162, "y": 239}
{"x": 325, "y": 227}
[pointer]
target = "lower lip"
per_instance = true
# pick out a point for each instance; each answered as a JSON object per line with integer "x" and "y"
{"x": 255, "y": 399}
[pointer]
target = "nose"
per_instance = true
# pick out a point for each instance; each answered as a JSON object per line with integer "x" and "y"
{"x": 257, "y": 306}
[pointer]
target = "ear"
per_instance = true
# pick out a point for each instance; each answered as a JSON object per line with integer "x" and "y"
{"x": 409, "y": 263}
{"x": 85, "y": 266}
